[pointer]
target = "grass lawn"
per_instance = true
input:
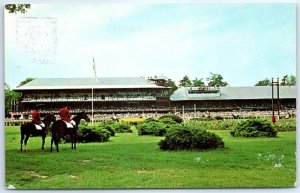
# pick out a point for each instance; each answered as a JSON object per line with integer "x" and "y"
{"x": 132, "y": 161}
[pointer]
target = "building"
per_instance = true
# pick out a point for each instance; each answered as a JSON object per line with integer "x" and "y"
{"x": 140, "y": 95}
{"x": 233, "y": 98}
{"x": 103, "y": 95}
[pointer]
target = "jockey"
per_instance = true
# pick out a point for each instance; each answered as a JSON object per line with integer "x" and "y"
{"x": 64, "y": 114}
{"x": 36, "y": 119}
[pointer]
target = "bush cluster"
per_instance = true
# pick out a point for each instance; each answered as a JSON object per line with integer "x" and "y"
{"x": 214, "y": 124}
{"x": 108, "y": 127}
{"x": 151, "y": 128}
{"x": 100, "y": 132}
{"x": 173, "y": 117}
{"x": 86, "y": 134}
{"x": 182, "y": 137}
{"x": 92, "y": 134}
{"x": 155, "y": 127}
{"x": 285, "y": 125}
{"x": 121, "y": 127}
{"x": 254, "y": 128}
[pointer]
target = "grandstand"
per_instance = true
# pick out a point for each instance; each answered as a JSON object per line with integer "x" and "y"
{"x": 232, "y": 98}
{"x": 137, "y": 95}
{"x": 117, "y": 95}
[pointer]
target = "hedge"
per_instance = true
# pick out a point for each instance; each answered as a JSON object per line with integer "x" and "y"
{"x": 182, "y": 137}
{"x": 155, "y": 127}
{"x": 254, "y": 128}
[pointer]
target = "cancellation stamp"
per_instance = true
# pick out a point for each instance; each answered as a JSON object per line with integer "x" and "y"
{"x": 36, "y": 39}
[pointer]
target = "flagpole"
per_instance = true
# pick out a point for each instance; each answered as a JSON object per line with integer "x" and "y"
{"x": 94, "y": 68}
{"x": 92, "y": 105}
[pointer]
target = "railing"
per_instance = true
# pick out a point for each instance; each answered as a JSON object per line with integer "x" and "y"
{"x": 147, "y": 98}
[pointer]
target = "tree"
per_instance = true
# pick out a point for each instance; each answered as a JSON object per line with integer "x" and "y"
{"x": 15, "y": 8}
{"x": 216, "y": 80}
{"x": 185, "y": 82}
{"x": 265, "y": 82}
{"x": 25, "y": 81}
{"x": 292, "y": 80}
{"x": 10, "y": 98}
{"x": 288, "y": 81}
{"x": 284, "y": 80}
{"x": 198, "y": 82}
{"x": 173, "y": 85}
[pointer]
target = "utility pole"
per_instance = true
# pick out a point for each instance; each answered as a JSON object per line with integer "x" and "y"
{"x": 276, "y": 83}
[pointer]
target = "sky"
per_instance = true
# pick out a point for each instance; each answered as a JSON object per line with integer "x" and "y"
{"x": 243, "y": 42}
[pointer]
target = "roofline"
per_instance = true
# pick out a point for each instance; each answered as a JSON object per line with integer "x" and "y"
{"x": 85, "y": 87}
{"x": 222, "y": 99}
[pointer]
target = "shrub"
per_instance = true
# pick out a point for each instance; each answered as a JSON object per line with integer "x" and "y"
{"x": 150, "y": 120}
{"x": 152, "y": 128}
{"x": 108, "y": 127}
{"x": 133, "y": 121}
{"x": 254, "y": 128}
{"x": 174, "y": 117}
{"x": 182, "y": 137}
{"x": 155, "y": 127}
{"x": 168, "y": 121}
{"x": 121, "y": 127}
{"x": 285, "y": 125}
{"x": 213, "y": 124}
{"x": 87, "y": 134}
{"x": 209, "y": 118}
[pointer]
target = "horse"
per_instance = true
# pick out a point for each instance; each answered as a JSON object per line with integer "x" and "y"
{"x": 29, "y": 128}
{"x": 60, "y": 129}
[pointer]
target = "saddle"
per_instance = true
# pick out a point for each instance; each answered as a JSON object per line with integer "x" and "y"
{"x": 70, "y": 124}
{"x": 39, "y": 127}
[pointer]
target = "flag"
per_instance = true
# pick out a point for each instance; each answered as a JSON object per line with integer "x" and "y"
{"x": 94, "y": 67}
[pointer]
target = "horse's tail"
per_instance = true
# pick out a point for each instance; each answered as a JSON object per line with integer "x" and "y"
{"x": 52, "y": 127}
{"x": 55, "y": 133}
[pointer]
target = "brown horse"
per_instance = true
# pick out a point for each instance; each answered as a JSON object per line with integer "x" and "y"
{"x": 29, "y": 129}
{"x": 60, "y": 129}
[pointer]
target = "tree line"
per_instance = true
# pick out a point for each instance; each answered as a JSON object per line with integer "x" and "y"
{"x": 284, "y": 81}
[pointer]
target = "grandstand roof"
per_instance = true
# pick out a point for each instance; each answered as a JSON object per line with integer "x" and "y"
{"x": 234, "y": 93}
{"x": 87, "y": 83}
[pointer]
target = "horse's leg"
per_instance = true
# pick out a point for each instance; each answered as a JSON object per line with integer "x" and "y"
{"x": 22, "y": 139}
{"x": 22, "y": 136}
{"x": 56, "y": 140}
{"x": 43, "y": 140}
{"x": 25, "y": 142}
{"x": 56, "y": 143}
{"x": 51, "y": 143}
{"x": 75, "y": 139}
{"x": 72, "y": 141}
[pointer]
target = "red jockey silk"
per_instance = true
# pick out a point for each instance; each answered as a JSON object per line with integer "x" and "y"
{"x": 65, "y": 114}
{"x": 36, "y": 119}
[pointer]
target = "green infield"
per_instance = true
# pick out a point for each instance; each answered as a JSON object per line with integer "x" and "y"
{"x": 132, "y": 161}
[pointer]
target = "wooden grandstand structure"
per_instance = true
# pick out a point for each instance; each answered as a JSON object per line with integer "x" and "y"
{"x": 251, "y": 98}
{"x": 140, "y": 95}
{"x": 107, "y": 95}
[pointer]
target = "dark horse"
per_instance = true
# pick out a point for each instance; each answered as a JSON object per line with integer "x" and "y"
{"x": 59, "y": 129}
{"x": 29, "y": 128}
